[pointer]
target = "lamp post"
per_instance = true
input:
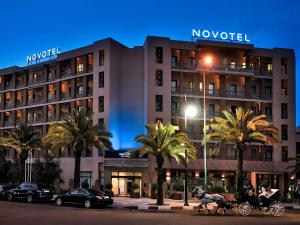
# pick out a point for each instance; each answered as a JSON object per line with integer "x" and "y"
{"x": 207, "y": 63}
{"x": 190, "y": 111}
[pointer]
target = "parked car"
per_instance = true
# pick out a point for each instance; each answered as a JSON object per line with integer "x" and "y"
{"x": 30, "y": 192}
{"x": 4, "y": 190}
{"x": 86, "y": 197}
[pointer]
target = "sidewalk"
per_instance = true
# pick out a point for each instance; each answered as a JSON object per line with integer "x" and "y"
{"x": 169, "y": 204}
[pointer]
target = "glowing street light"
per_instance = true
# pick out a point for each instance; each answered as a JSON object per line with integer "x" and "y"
{"x": 208, "y": 62}
{"x": 190, "y": 111}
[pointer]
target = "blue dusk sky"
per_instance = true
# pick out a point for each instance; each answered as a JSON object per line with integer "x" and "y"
{"x": 31, "y": 26}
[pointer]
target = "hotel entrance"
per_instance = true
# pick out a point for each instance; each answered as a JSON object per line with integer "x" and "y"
{"x": 122, "y": 183}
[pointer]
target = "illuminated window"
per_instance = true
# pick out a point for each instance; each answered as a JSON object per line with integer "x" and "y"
{"x": 191, "y": 85}
{"x": 269, "y": 67}
{"x": 80, "y": 67}
{"x": 211, "y": 88}
{"x": 233, "y": 65}
{"x": 200, "y": 86}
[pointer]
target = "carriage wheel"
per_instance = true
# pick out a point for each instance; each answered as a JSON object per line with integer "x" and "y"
{"x": 235, "y": 209}
{"x": 277, "y": 208}
{"x": 244, "y": 209}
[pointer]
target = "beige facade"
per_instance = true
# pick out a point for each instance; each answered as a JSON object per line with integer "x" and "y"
{"x": 128, "y": 87}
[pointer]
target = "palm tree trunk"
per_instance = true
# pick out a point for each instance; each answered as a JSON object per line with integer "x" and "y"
{"x": 239, "y": 171}
{"x": 160, "y": 180}
{"x": 77, "y": 169}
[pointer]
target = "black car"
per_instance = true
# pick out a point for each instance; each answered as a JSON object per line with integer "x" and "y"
{"x": 4, "y": 190}
{"x": 30, "y": 192}
{"x": 87, "y": 197}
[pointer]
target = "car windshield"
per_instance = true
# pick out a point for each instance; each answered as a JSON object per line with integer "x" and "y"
{"x": 37, "y": 186}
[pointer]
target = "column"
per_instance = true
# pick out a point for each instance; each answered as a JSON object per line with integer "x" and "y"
{"x": 223, "y": 90}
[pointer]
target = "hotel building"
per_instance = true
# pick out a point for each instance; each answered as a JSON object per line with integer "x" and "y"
{"x": 128, "y": 87}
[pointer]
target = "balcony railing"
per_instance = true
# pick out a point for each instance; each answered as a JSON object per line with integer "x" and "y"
{"x": 51, "y": 117}
{"x": 20, "y": 103}
{"x": 194, "y": 91}
{"x": 79, "y": 94}
{"x": 8, "y": 123}
{"x": 51, "y": 97}
{"x": 65, "y": 96}
{"x": 8, "y": 85}
{"x": 35, "y": 101}
{"x": 89, "y": 92}
{"x": 68, "y": 73}
{"x": 35, "y": 81}
{"x": 20, "y": 84}
{"x": 222, "y": 68}
{"x": 9, "y": 105}
{"x": 19, "y": 121}
{"x": 38, "y": 119}
{"x": 199, "y": 116}
{"x": 51, "y": 77}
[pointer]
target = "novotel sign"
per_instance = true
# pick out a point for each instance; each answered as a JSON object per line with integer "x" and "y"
{"x": 41, "y": 55}
{"x": 220, "y": 35}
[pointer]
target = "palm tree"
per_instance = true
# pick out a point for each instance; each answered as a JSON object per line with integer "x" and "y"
{"x": 76, "y": 132}
{"x": 241, "y": 128}
{"x": 296, "y": 167}
{"x": 164, "y": 143}
{"x": 23, "y": 139}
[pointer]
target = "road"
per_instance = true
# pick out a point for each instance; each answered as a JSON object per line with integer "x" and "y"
{"x": 19, "y": 213}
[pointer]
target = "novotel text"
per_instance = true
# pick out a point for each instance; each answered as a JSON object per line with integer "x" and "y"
{"x": 226, "y": 36}
{"x": 44, "y": 54}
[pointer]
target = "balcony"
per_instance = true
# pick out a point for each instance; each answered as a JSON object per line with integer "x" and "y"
{"x": 19, "y": 121}
{"x": 20, "y": 103}
{"x": 8, "y": 85}
{"x": 35, "y": 101}
{"x": 34, "y": 120}
{"x": 89, "y": 92}
{"x": 20, "y": 84}
{"x": 68, "y": 73}
{"x": 9, "y": 105}
{"x": 80, "y": 93}
{"x": 199, "y": 116}
{"x": 51, "y": 117}
{"x": 35, "y": 81}
{"x": 194, "y": 91}
{"x": 51, "y": 97}
{"x": 8, "y": 123}
{"x": 65, "y": 96}
{"x": 51, "y": 77}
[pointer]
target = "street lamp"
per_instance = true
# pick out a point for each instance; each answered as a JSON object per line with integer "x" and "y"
{"x": 208, "y": 61}
{"x": 190, "y": 111}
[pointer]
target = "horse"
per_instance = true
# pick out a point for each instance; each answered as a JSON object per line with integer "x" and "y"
{"x": 208, "y": 198}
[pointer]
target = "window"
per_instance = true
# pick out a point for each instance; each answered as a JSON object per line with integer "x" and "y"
{"x": 233, "y": 65}
{"x": 268, "y": 111}
{"x": 174, "y": 85}
{"x": 268, "y": 154}
{"x": 191, "y": 85}
{"x": 283, "y": 66}
{"x": 174, "y": 108}
{"x": 231, "y": 154}
{"x": 101, "y": 79}
{"x": 284, "y": 111}
{"x": 211, "y": 88}
{"x": 101, "y": 104}
{"x": 284, "y": 153}
{"x": 80, "y": 67}
{"x": 159, "y": 54}
{"x": 269, "y": 67}
{"x": 244, "y": 65}
{"x": 253, "y": 153}
{"x": 253, "y": 88}
{"x": 174, "y": 61}
{"x": 101, "y": 58}
{"x": 283, "y": 87}
{"x": 200, "y": 86}
{"x": 158, "y": 103}
{"x": 86, "y": 177}
{"x": 211, "y": 110}
{"x": 101, "y": 122}
{"x": 284, "y": 132}
{"x": 268, "y": 91}
{"x": 233, "y": 89}
{"x": 159, "y": 78}
{"x": 192, "y": 61}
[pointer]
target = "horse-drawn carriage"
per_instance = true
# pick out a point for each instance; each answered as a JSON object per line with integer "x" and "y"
{"x": 264, "y": 202}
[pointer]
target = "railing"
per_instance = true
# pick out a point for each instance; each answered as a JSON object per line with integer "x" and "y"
{"x": 35, "y": 81}
{"x": 20, "y": 103}
{"x": 51, "y": 97}
{"x": 223, "y": 68}
{"x": 79, "y": 94}
{"x": 219, "y": 93}
{"x": 8, "y": 85}
{"x": 20, "y": 84}
{"x": 35, "y": 101}
{"x": 89, "y": 92}
{"x": 8, "y": 123}
{"x": 9, "y": 105}
{"x": 19, "y": 122}
{"x": 200, "y": 115}
{"x": 51, "y": 77}
{"x": 66, "y": 73}
{"x": 36, "y": 120}
{"x": 51, "y": 118}
{"x": 65, "y": 96}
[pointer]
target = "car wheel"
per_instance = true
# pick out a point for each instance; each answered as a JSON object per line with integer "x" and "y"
{"x": 10, "y": 197}
{"x": 29, "y": 198}
{"x": 87, "y": 204}
{"x": 59, "y": 202}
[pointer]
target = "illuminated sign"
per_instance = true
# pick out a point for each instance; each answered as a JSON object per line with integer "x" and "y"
{"x": 41, "y": 55}
{"x": 217, "y": 35}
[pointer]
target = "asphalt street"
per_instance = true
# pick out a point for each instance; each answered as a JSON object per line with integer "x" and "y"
{"x": 21, "y": 213}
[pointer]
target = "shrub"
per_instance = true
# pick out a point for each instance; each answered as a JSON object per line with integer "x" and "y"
{"x": 178, "y": 186}
{"x": 85, "y": 184}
